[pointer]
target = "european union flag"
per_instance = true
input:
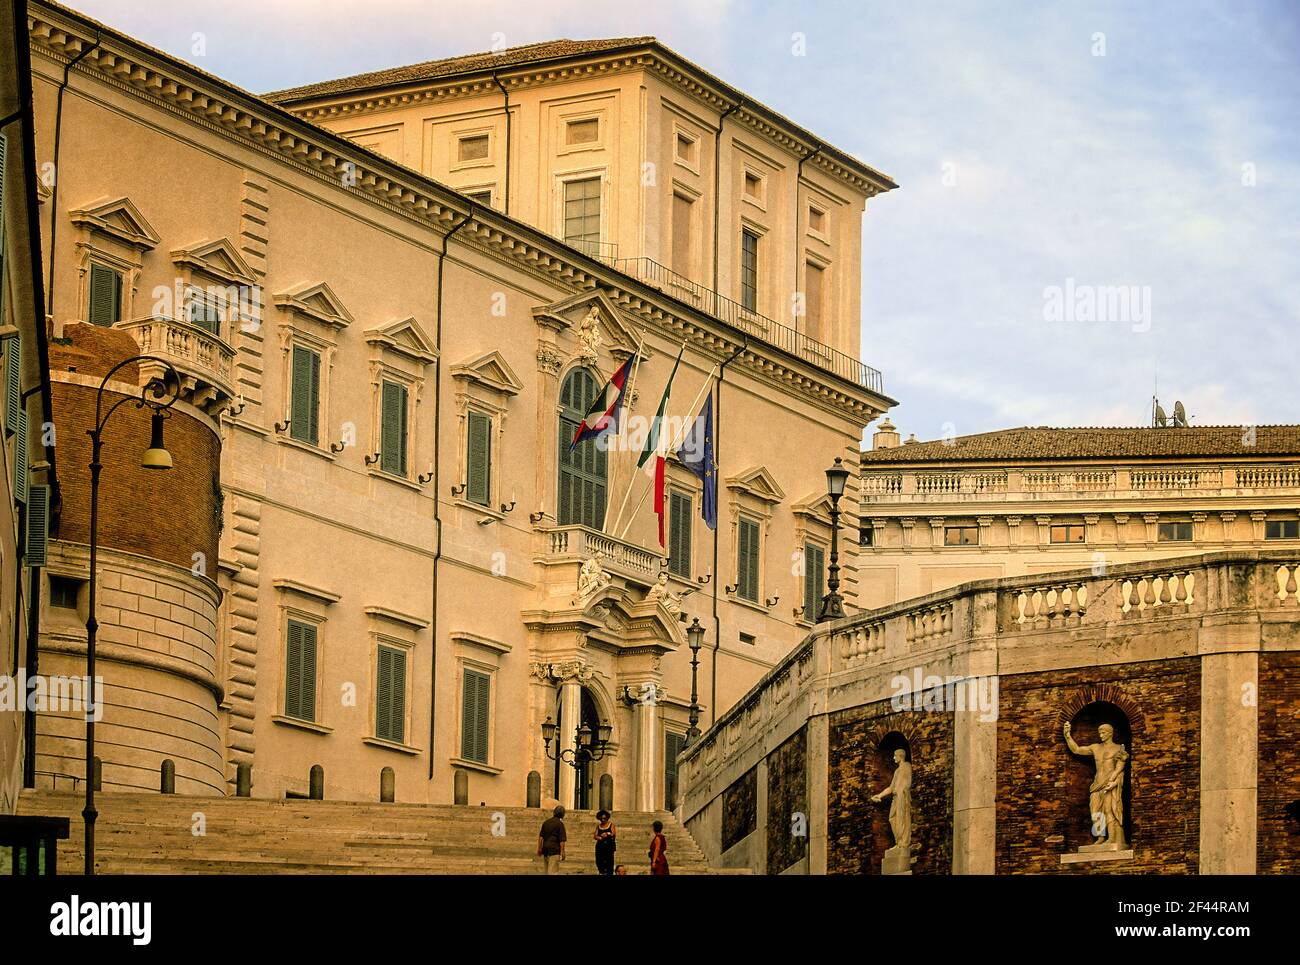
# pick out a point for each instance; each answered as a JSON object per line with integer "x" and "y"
{"x": 696, "y": 454}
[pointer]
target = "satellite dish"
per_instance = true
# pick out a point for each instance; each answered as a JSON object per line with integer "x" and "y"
{"x": 1180, "y": 415}
{"x": 1162, "y": 420}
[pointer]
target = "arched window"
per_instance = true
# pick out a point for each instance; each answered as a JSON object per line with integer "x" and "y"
{"x": 583, "y": 478}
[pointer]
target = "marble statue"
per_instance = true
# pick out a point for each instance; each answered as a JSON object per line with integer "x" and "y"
{"x": 898, "y": 859}
{"x": 660, "y": 592}
{"x": 1106, "y": 794}
{"x": 592, "y": 576}
{"x": 589, "y": 335}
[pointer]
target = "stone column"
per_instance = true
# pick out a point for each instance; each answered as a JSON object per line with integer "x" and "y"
{"x": 1229, "y": 762}
{"x": 974, "y": 793}
{"x": 566, "y": 738}
{"x": 818, "y": 764}
{"x": 648, "y": 797}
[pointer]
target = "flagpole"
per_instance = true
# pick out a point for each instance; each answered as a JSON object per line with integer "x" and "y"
{"x": 631, "y": 390}
{"x": 681, "y": 430}
{"x": 632, "y": 481}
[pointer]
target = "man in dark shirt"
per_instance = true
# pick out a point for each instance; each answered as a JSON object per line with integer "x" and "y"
{"x": 550, "y": 841}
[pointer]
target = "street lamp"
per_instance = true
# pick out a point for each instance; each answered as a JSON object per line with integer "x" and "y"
{"x": 695, "y": 639}
{"x": 832, "y": 602}
{"x": 588, "y": 746}
{"x": 154, "y": 395}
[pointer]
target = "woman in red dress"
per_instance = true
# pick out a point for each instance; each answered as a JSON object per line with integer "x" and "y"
{"x": 658, "y": 850}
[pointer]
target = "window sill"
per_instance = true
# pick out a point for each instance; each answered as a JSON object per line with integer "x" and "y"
{"x": 479, "y": 508}
{"x": 301, "y": 724}
{"x": 475, "y": 766}
{"x": 388, "y": 745}
{"x": 748, "y": 603}
{"x": 285, "y": 440}
{"x": 398, "y": 480}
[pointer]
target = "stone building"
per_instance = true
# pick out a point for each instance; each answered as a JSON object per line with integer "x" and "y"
{"x": 389, "y": 369}
{"x": 1033, "y": 500}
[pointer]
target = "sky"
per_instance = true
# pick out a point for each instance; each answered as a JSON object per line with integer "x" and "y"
{"x": 1097, "y": 201}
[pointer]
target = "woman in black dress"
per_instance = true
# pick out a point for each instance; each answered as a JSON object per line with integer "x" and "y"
{"x": 605, "y": 843}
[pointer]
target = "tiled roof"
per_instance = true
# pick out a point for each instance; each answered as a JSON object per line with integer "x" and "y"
{"x": 1030, "y": 443}
{"x": 465, "y": 64}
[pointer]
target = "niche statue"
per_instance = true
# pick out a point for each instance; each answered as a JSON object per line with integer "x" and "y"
{"x": 898, "y": 859}
{"x": 1106, "y": 794}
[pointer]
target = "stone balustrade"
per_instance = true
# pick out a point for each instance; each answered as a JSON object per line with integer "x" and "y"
{"x": 204, "y": 361}
{"x": 566, "y": 544}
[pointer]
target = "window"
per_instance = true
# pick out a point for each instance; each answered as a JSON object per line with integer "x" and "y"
{"x": 747, "y": 548}
{"x": 390, "y": 694}
{"x": 392, "y": 429}
{"x": 816, "y": 219}
{"x": 814, "y": 575}
{"x": 814, "y": 277}
{"x": 300, "y": 671}
{"x": 749, "y": 271}
{"x": 105, "y": 295}
{"x": 866, "y": 535}
{"x": 583, "y": 479}
{"x": 673, "y": 745}
{"x": 1175, "y": 533}
{"x": 586, "y": 131}
{"x": 483, "y": 197}
{"x": 1282, "y": 529}
{"x": 753, "y": 185}
{"x": 1071, "y": 533}
{"x": 582, "y": 211}
{"x": 686, "y": 148}
{"x": 304, "y": 409}
{"x": 63, "y": 592}
{"x": 961, "y": 536}
{"x": 478, "y": 459}
{"x": 474, "y": 716}
{"x": 681, "y": 518}
{"x": 472, "y": 148}
{"x": 682, "y": 235}
{"x": 747, "y": 639}
{"x": 204, "y": 311}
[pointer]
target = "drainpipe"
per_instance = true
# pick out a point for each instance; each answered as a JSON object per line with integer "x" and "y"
{"x": 717, "y": 573}
{"x": 54, "y": 194}
{"x": 437, "y": 491}
{"x": 717, "y": 187}
{"x": 505, "y": 93}
{"x": 798, "y": 235}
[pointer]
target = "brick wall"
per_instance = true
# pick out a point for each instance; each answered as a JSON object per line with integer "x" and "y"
{"x": 861, "y": 764}
{"x": 1278, "y": 841}
{"x": 1042, "y": 794}
{"x": 787, "y": 795}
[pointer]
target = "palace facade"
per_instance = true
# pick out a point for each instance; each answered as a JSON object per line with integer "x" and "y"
{"x": 377, "y": 554}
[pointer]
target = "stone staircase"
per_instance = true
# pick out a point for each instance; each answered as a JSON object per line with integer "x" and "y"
{"x": 155, "y": 834}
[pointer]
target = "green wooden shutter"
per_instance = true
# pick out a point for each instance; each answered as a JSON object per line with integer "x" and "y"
{"x": 105, "y": 295}
{"x": 814, "y": 566}
{"x": 583, "y": 471}
{"x": 672, "y": 747}
{"x": 392, "y": 420}
{"x": 300, "y": 672}
{"x": 20, "y": 458}
{"x": 474, "y": 716}
{"x": 747, "y": 560}
{"x": 304, "y": 411}
{"x": 390, "y": 707}
{"x": 13, "y": 382}
{"x": 38, "y": 524}
{"x": 680, "y": 522}
{"x": 478, "y": 458}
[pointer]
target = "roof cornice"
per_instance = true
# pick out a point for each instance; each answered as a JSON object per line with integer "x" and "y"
{"x": 61, "y": 34}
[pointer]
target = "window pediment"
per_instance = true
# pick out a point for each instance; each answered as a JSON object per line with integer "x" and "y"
{"x": 317, "y": 302}
{"x": 593, "y": 323}
{"x": 404, "y": 337}
{"x": 121, "y": 219}
{"x": 759, "y": 483}
{"x": 490, "y": 371}
{"x": 219, "y": 259}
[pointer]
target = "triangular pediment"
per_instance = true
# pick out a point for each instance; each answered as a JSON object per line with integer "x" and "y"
{"x": 569, "y": 314}
{"x": 405, "y": 337}
{"x": 219, "y": 258}
{"x": 816, "y": 505}
{"x": 490, "y": 370}
{"x": 316, "y": 300}
{"x": 119, "y": 218}
{"x": 758, "y": 482}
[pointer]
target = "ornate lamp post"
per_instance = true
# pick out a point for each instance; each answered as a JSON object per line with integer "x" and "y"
{"x": 588, "y": 746}
{"x": 832, "y": 602}
{"x": 695, "y": 638}
{"x": 154, "y": 395}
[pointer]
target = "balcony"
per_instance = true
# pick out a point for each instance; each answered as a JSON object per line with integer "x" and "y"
{"x": 575, "y": 544}
{"x": 204, "y": 361}
{"x": 733, "y": 313}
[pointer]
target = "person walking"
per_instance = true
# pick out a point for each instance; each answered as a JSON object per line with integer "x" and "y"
{"x": 605, "y": 843}
{"x": 658, "y": 850}
{"x": 550, "y": 841}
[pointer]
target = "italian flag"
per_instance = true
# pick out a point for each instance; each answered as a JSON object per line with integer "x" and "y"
{"x": 656, "y": 446}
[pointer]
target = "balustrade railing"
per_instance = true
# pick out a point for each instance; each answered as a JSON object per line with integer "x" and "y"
{"x": 581, "y": 543}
